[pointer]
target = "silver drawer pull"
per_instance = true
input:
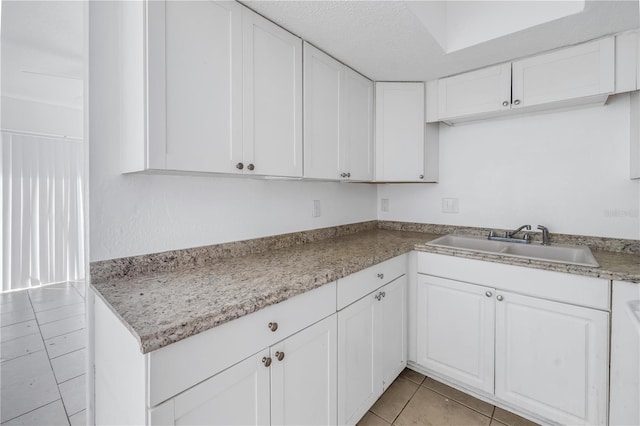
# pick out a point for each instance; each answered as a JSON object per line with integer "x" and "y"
{"x": 381, "y": 276}
{"x": 273, "y": 326}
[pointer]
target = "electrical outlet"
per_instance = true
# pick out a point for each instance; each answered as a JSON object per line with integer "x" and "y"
{"x": 316, "y": 209}
{"x": 384, "y": 204}
{"x": 450, "y": 205}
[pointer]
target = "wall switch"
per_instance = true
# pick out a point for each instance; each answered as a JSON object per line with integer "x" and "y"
{"x": 449, "y": 205}
{"x": 316, "y": 208}
{"x": 384, "y": 204}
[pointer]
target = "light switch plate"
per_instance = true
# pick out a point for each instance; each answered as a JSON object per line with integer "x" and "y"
{"x": 450, "y": 205}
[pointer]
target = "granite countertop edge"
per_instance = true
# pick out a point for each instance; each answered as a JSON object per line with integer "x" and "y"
{"x": 153, "y": 336}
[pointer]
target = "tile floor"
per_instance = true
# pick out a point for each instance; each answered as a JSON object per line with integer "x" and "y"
{"x": 413, "y": 399}
{"x": 42, "y": 356}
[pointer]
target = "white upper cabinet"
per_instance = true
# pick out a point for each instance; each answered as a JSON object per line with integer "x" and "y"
{"x": 401, "y": 155}
{"x": 272, "y": 106}
{"x": 194, "y": 86}
{"x": 476, "y": 92}
{"x": 338, "y": 119}
{"x": 576, "y": 75}
{"x": 357, "y": 128}
{"x": 576, "y": 72}
{"x": 322, "y": 114}
{"x": 221, "y": 90}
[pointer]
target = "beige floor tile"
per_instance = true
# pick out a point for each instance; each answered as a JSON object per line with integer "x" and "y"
{"x": 21, "y": 329}
{"x": 63, "y": 326}
{"x": 21, "y": 346}
{"x": 461, "y": 397}
{"x": 371, "y": 419}
{"x": 52, "y": 414}
{"x": 79, "y": 419}
{"x": 15, "y": 317}
{"x": 511, "y": 419}
{"x": 26, "y": 383}
{"x": 68, "y": 366}
{"x": 414, "y": 376}
{"x": 74, "y": 394}
{"x": 391, "y": 403}
{"x": 430, "y": 408}
{"x": 60, "y": 313}
{"x": 494, "y": 422}
{"x": 70, "y": 342}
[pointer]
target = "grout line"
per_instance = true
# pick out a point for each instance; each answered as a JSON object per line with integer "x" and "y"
{"x": 408, "y": 401}
{"x": 49, "y": 360}
{"x": 37, "y": 408}
{"x": 73, "y": 378}
{"x": 76, "y": 350}
{"x": 459, "y": 402}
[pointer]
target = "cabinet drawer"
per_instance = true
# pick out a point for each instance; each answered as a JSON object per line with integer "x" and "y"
{"x": 181, "y": 365}
{"x": 358, "y": 285}
{"x": 562, "y": 287}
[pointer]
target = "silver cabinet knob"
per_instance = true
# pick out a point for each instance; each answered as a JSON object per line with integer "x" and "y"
{"x": 488, "y": 294}
{"x": 344, "y": 175}
{"x": 381, "y": 276}
{"x": 505, "y": 103}
{"x": 239, "y": 166}
{"x": 273, "y": 326}
{"x": 279, "y": 356}
{"x": 500, "y": 298}
{"x": 348, "y": 174}
{"x": 516, "y": 102}
{"x": 421, "y": 176}
{"x": 378, "y": 296}
{"x": 250, "y": 167}
{"x": 266, "y": 361}
{"x": 383, "y": 294}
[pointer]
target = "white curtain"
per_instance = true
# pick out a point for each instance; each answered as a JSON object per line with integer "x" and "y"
{"x": 42, "y": 210}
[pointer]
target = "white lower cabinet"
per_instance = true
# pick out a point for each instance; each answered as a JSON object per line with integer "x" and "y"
{"x": 455, "y": 330}
{"x": 291, "y": 383}
{"x": 537, "y": 356}
{"x": 552, "y": 358}
{"x": 372, "y": 344}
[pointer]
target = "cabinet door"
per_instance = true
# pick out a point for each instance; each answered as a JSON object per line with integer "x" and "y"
{"x": 357, "y": 126}
{"x": 359, "y": 373}
{"x": 272, "y": 93}
{"x": 393, "y": 330}
{"x": 575, "y": 72}
{"x": 625, "y": 354}
{"x": 195, "y": 85}
{"x": 552, "y": 358}
{"x": 237, "y": 396}
{"x": 456, "y": 330}
{"x": 476, "y": 92}
{"x": 400, "y": 125}
{"x": 322, "y": 112}
{"x": 303, "y": 382}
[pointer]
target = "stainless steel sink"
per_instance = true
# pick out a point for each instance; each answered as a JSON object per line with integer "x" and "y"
{"x": 558, "y": 253}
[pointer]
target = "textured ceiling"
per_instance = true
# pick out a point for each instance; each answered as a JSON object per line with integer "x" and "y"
{"x": 384, "y": 40}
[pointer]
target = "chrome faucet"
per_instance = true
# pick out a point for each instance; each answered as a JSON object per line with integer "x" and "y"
{"x": 509, "y": 236}
{"x": 545, "y": 235}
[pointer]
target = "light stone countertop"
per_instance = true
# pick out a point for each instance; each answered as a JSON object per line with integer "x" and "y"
{"x": 166, "y": 307}
{"x": 161, "y": 308}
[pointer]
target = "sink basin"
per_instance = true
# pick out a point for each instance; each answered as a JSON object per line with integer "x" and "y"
{"x": 558, "y": 253}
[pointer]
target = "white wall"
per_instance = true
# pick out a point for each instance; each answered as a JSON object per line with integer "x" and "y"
{"x": 567, "y": 170}
{"x": 138, "y": 214}
{"x": 38, "y": 117}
